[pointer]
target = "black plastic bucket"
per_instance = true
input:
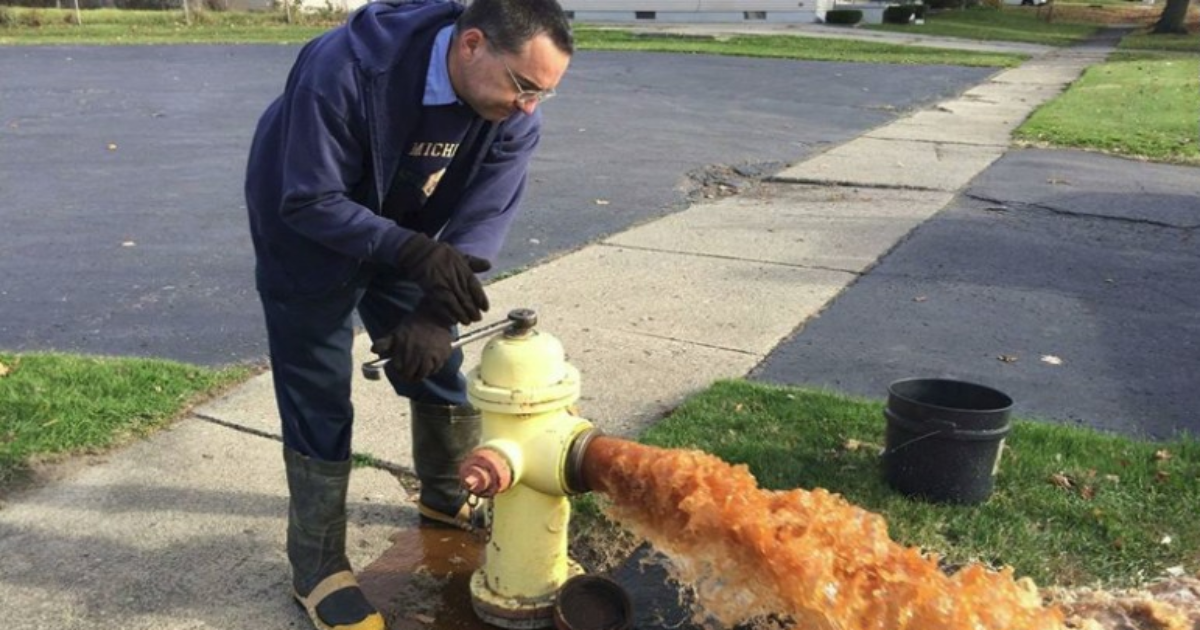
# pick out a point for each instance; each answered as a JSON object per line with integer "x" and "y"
{"x": 944, "y": 439}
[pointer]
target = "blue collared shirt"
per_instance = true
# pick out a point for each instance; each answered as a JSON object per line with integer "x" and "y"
{"x": 438, "y": 89}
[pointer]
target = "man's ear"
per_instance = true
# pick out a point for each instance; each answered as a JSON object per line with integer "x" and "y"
{"x": 471, "y": 43}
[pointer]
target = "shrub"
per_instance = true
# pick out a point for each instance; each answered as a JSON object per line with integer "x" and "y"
{"x": 902, "y": 14}
{"x": 843, "y": 16}
{"x": 32, "y": 19}
{"x": 950, "y": 4}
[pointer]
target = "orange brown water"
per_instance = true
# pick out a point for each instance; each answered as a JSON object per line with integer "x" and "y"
{"x": 808, "y": 555}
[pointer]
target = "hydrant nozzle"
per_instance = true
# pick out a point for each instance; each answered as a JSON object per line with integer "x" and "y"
{"x": 485, "y": 473}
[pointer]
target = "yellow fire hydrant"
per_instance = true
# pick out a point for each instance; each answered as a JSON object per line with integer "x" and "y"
{"x": 529, "y": 462}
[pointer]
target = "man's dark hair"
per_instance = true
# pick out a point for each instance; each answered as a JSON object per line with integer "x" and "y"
{"x": 509, "y": 24}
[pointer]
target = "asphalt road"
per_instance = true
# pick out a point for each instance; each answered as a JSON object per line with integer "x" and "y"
{"x": 1068, "y": 280}
{"x": 124, "y": 230}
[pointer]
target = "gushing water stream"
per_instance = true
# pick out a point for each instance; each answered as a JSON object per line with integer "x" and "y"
{"x": 808, "y": 556}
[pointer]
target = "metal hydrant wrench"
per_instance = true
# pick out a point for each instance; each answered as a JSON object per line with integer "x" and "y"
{"x": 373, "y": 370}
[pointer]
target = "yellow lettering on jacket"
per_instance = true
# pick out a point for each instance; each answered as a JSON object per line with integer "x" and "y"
{"x": 433, "y": 149}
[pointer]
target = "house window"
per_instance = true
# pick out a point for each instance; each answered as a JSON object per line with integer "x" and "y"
{"x": 644, "y": 15}
{"x": 754, "y": 15}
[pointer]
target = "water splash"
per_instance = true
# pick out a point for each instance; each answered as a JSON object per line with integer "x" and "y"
{"x": 809, "y": 556}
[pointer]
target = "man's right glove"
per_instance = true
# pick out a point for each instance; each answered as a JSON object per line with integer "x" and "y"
{"x": 447, "y": 277}
{"x": 418, "y": 347}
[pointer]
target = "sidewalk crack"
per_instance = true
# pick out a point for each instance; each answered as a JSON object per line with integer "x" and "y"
{"x": 690, "y": 342}
{"x": 1081, "y": 215}
{"x": 362, "y": 459}
{"x": 657, "y": 250}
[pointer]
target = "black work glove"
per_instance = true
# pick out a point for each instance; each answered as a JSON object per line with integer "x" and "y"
{"x": 447, "y": 276}
{"x": 418, "y": 347}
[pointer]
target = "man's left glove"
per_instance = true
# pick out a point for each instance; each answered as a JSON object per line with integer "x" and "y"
{"x": 446, "y": 275}
{"x": 419, "y": 346}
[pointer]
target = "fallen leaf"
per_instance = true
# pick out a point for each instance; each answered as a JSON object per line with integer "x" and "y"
{"x": 1112, "y": 478}
{"x": 1051, "y": 359}
{"x": 112, "y": 146}
{"x": 601, "y": 202}
{"x": 425, "y": 619}
{"x": 1161, "y": 476}
{"x": 1087, "y": 492}
{"x": 1162, "y": 455}
{"x": 920, "y": 298}
{"x": 1176, "y": 571}
{"x": 1166, "y": 540}
{"x": 4, "y": 371}
{"x": 1008, "y": 358}
{"x": 129, "y": 244}
{"x": 1061, "y": 480}
{"x": 870, "y": 447}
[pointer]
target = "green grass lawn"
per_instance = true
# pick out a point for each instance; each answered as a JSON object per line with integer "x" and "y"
{"x": 1071, "y": 506}
{"x": 1010, "y": 24}
{"x": 791, "y": 47}
{"x": 1142, "y": 42}
{"x": 55, "y": 405}
{"x": 1139, "y": 104}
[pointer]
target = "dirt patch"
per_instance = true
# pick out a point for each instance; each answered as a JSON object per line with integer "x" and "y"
{"x": 1140, "y": 14}
{"x": 718, "y": 181}
{"x": 600, "y": 545}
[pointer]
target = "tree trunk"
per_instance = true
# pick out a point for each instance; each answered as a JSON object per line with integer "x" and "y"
{"x": 1172, "y": 18}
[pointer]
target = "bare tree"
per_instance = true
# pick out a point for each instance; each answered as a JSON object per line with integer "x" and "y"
{"x": 1171, "y": 21}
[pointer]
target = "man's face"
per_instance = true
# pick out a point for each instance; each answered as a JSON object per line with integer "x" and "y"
{"x": 497, "y": 84}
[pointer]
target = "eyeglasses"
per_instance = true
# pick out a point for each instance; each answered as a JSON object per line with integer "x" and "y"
{"x": 526, "y": 96}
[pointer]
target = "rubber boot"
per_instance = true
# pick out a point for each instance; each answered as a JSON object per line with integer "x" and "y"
{"x": 322, "y": 581}
{"x": 442, "y": 437}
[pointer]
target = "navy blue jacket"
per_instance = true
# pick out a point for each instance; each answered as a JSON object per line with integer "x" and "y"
{"x": 325, "y": 152}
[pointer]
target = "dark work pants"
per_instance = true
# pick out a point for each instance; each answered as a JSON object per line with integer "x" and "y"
{"x": 310, "y": 342}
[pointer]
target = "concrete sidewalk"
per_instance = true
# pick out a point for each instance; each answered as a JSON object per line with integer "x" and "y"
{"x": 186, "y": 530}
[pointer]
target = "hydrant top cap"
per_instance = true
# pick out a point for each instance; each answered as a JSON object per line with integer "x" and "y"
{"x": 530, "y": 368}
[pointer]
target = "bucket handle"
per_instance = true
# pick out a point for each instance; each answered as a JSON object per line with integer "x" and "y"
{"x": 890, "y": 451}
{"x": 943, "y": 426}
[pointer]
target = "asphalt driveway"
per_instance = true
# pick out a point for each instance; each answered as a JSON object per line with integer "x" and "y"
{"x": 1068, "y": 280}
{"x": 121, "y": 170}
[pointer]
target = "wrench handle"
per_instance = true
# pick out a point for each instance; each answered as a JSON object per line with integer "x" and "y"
{"x": 373, "y": 370}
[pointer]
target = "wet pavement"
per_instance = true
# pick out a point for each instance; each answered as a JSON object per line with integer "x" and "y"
{"x": 423, "y": 581}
